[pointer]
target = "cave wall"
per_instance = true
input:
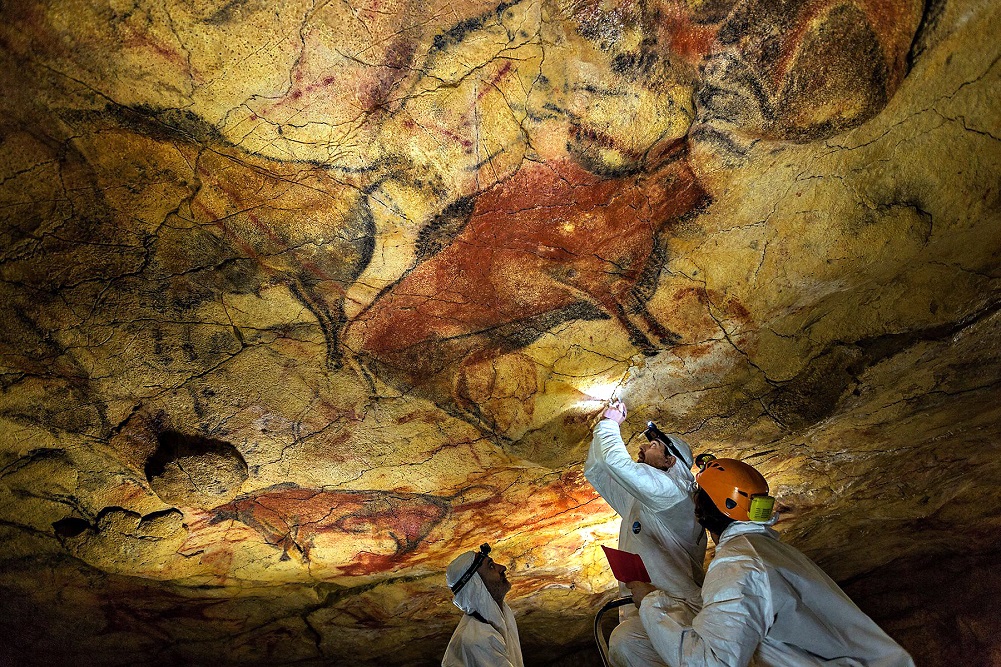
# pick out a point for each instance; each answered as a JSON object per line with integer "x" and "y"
{"x": 299, "y": 302}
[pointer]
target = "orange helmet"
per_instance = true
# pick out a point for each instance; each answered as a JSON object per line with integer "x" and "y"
{"x": 731, "y": 484}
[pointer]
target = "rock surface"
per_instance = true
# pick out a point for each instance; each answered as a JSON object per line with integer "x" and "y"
{"x": 296, "y": 305}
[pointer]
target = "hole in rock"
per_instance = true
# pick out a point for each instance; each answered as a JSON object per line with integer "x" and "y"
{"x": 70, "y": 526}
{"x": 194, "y": 471}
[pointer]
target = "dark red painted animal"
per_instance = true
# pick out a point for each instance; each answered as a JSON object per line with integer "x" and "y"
{"x": 551, "y": 239}
{"x": 574, "y": 239}
{"x": 290, "y": 517}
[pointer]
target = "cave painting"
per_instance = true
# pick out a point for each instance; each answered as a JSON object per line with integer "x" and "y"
{"x": 290, "y": 517}
{"x": 577, "y": 231}
{"x": 233, "y": 216}
{"x": 583, "y": 240}
{"x": 549, "y": 169}
{"x": 353, "y": 533}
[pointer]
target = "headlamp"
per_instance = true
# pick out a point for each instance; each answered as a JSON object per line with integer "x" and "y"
{"x": 653, "y": 433}
{"x": 468, "y": 574}
{"x": 703, "y": 459}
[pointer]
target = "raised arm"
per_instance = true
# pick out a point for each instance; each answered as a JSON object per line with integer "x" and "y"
{"x": 617, "y": 477}
{"x": 599, "y": 473}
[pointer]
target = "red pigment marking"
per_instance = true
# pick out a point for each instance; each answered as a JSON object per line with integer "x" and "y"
{"x": 452, "y": 135}
{"x": 314, "y": 86}
{"x": 247, "y": 249}
{"x": 592, "y": 135}
{"x": 698, "y": 292}
{"x": 172, "y": 55}
{"x": 535, "y": 243}
{"x": 366, "y": 562}
{"x": 792, "y": 41}
{"x": 894, "y": 24}
{"x": 566, "y": 501}
{"x": 267, "y": 228}
{"x": 293, "y": 518}
{"x": 686, "y": 39}
{"x": 737, "y": 309}
{"x": 493, "y": 81}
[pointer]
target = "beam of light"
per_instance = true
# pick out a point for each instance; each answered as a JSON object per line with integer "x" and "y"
{"x": 604, "y": 390}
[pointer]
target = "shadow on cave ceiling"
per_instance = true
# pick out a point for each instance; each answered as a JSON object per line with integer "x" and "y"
{"x": 355, "y": 278}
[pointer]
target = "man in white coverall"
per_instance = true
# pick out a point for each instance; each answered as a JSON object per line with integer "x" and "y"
{"x": 763, "y": 601}
{"x": 654, "y": 497}
{"x": 487, "y": 635}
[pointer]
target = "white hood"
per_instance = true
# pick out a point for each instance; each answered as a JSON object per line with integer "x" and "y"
{"x": 684, "y": 449}
{"x": 474, "y": 597}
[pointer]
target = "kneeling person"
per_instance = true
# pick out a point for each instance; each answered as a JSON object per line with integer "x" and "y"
{"x": 762, "y": 599}
{"x": 654, "y": 496}
{"x": 487, "y": 636}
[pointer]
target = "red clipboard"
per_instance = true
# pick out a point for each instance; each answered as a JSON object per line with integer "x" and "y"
{"x": 626, "y": 566}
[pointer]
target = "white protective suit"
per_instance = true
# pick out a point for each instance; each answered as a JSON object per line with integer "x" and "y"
{"x": 658, "y": 523}
{"x": 766, "y": 601}
{"x": 490, "y": 642}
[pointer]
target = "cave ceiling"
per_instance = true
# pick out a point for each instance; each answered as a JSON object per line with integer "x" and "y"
{"x": 298, "y": 301}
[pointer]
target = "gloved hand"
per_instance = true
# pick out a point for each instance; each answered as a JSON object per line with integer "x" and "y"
{"x": 640, "y": 589}
{"x": 616, "y": 411}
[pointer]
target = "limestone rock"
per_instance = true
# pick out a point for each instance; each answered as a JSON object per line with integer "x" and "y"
{"x": 297, "y": 303}
{"x": 195, "y": 472}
